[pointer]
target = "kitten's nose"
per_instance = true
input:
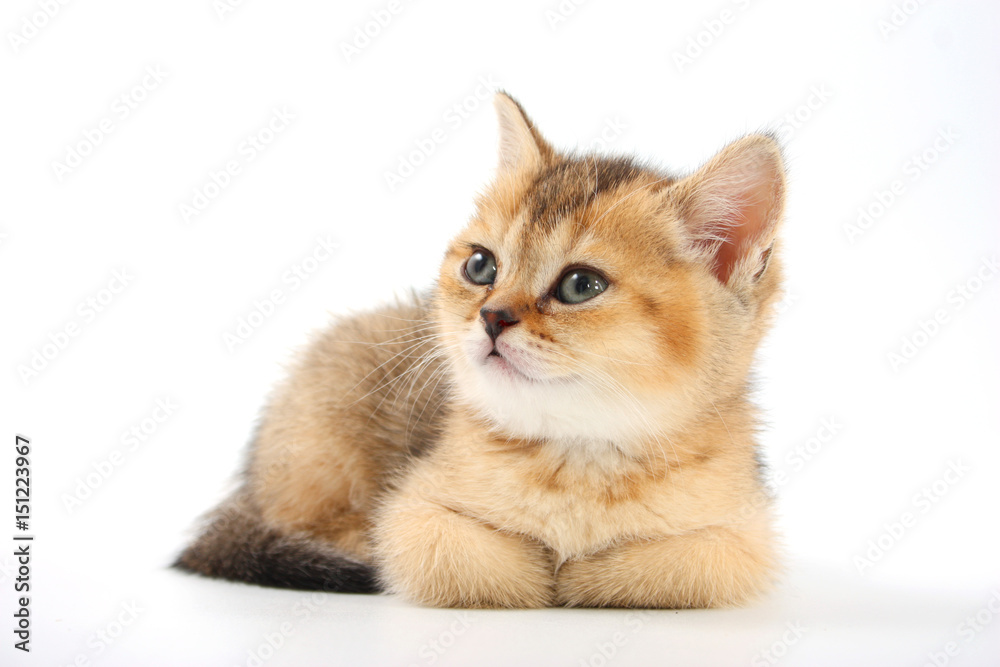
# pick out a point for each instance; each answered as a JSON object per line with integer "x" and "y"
{"x": 496, "y": 321}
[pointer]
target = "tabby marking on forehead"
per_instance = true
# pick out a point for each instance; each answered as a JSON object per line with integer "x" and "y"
{"x": 572, "y": 184}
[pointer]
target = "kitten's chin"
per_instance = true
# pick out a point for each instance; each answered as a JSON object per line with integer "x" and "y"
{"x": 525, "y": 398}
{"x": 560, "y": 408}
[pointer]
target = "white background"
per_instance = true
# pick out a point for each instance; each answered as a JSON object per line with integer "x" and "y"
{"x": 854, "y": 103}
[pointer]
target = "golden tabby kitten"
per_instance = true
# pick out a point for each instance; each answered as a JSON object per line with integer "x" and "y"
{"x": 564, "y": 421}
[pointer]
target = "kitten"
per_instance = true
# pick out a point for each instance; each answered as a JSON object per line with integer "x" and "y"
{"x": 565, "y": 421}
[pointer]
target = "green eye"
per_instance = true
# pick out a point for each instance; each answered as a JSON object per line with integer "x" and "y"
{"x": 481, "y": 268}
{"x": 579, "y": 285}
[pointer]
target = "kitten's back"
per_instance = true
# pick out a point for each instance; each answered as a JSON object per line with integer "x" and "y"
{"x": 361, "y": 400}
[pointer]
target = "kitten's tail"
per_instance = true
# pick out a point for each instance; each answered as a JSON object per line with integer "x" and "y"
{"x": 236, "y": 544}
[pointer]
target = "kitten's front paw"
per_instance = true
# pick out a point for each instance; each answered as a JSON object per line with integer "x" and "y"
{"x": 436, "y": 556}
{"x": 712, "y": 567}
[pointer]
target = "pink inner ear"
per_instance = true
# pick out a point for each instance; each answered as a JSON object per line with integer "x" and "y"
{"x": 743, "y": 232}
{"x": 734, "y": 205}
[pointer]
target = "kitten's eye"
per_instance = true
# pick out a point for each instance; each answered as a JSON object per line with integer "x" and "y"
{"x": 481, "y": 268}
{"x": 579, "y": 285}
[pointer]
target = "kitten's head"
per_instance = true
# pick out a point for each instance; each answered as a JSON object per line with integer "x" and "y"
{"x": 599, "y": 300}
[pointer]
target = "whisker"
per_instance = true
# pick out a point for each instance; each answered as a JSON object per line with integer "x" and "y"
{"x": 405, "y": 350}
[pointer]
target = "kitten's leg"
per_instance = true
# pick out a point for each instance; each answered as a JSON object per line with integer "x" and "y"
{"x": 711, "y": 567}
{"x": 434, "y": 555}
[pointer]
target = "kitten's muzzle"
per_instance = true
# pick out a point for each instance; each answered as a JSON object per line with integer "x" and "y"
{"x": 496, "y": 321}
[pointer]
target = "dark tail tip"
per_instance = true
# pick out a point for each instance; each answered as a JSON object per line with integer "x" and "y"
{"x": 236, "y": 545}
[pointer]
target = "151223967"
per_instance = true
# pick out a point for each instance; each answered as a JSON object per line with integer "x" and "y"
{"x": 22, "y": 542}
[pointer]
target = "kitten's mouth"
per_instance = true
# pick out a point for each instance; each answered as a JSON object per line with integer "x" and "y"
{"x": 506, "y": 366}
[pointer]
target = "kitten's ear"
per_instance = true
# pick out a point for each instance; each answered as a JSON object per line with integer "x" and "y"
{"x": 733, "y": 205}
{"x": 521, "y": 145}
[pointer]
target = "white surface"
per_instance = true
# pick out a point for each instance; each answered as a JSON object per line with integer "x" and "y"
{"x": 608, "y": 69}
{"x": 819, "y": 617}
